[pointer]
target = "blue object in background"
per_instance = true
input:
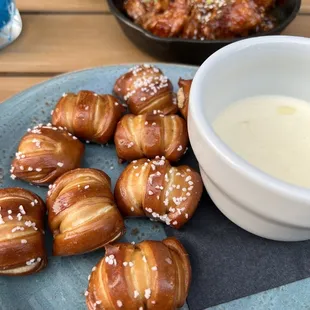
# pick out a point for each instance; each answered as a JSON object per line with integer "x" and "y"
{"x": 10, "y": 22}
{"x": 7, "y": 8}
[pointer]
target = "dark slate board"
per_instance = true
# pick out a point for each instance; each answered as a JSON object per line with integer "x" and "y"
{"x": 228, "y": 262}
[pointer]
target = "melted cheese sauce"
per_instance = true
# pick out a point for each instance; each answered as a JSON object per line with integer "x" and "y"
{"x": 271, "y": 133}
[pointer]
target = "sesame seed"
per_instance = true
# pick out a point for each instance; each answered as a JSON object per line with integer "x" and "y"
{"x": 132, "y": 209}
{"x": 135, "y": 294}
{"x": 17, "y": 228}
{"x": 87, "y": 141}
{"x": 186, "y": 215}
{"x": 119, "y": 303}
{"x": 93, "y": 269}
{"x": 30, "y": 262}
{"x": 64, "y": 94}
{"x": 153, "y": 302}
{"x": 86, "y": 186}
{"x": 188, "y": 178}
{"x": 174, "y": 223}
{"x": 98, "y": 302}
{"x": 22, "y": 210}
{"x": 150, "y": 193}
{"x": 140, "y": 308}
{"x": 9, "y": 211}
{"x": 110, "y": 259}
{"x": 147, "y": 293}
{"x": 131, "y": 264}
{"x": 23, "y": 241}
{"x": 13, "y": 176}
{"x": 21, "y": 168}
{"x": 146, "y": 123}
{"x": 38, "y": 169}
{"x": 125, "y": 264}
{"x": 144, "y": 258}
{"x": 179, "y": 148}
{"x": 86, "y": 293}
{"x": 132, "y": 242}
{"x": 59, "y": 164}
{"x": 30, "y": 169}
{"x": 39, "y": 259}
{"x": 154, "y": 268}
{"x": 137, "y": 174}
{"x": 10, "y": 217}
{"x": 88, "y": 278}
{"x": 168, "y": 260}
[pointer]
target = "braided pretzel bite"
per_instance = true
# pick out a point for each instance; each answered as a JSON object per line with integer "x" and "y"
{"x": 88, "y": 115}
{"x": 146, "y": 89}
{"x": 183, "y": 96}
{"x": 155, "y": 189}
{"x": 149, "y": 135}
{"x": 22, "y": 249}
{"x": 82, "y": 213}
{"x": 152, "y": 275}
{"x": 45, "y": 153}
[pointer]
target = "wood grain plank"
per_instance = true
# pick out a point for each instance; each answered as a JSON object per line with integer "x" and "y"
{"x": 86, "y": 6}
{"x": 299, "y": 27}
{"x": 10, "y": 86}
{"x": 59, "y": 43}
{"x": 62, "y": 5}
{"x": 305, "y": 6}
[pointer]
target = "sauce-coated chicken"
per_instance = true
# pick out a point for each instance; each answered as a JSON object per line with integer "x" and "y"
{"x": 202, "y": 19}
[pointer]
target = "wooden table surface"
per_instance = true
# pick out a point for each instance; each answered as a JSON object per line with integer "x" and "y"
{"x": 64, "y": 35}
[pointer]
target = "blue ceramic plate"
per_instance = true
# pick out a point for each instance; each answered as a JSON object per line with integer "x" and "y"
{"x": 62, "y": 284}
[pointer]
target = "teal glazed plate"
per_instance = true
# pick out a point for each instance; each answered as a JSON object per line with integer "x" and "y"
{"x": 62, "y": 284}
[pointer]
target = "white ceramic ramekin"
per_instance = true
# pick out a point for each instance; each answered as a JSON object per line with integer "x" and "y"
{"x": 257, "y": 202}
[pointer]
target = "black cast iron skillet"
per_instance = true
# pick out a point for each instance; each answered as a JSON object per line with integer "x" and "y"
{"x": 190, "y": 51}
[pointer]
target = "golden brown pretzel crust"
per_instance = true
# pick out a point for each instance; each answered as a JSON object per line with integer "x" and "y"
{"x": 22, "y": 249}
{"x": 159, "y": 191}
{"x": 150, "y": 275}
{"x": 45, "y": 153}
{"x": 146, "y": 89}
{"x": 183, "y": 96}
{"x": 82, "y": 212}
{"x": 88, "y": 115}
{"x": 149, "y": 135}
